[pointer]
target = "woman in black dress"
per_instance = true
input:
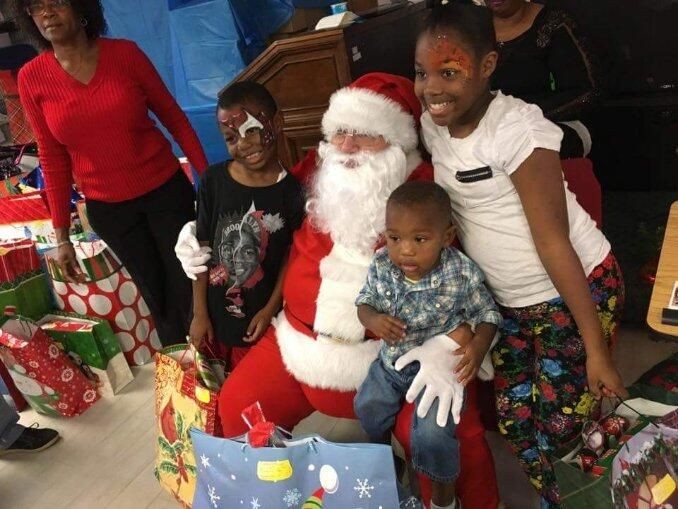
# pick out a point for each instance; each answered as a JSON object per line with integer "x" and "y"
{"x": 543, "y": 59}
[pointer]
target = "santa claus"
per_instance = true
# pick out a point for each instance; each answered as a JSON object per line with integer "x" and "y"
{"x": 317, "y": 353}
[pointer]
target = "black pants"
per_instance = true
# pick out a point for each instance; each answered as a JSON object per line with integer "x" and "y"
{"x": 142, "y": 232}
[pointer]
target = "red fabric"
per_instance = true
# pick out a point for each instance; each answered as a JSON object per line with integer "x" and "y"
{"x": 23, "y": 208}
{"x": 262, "y": 377}
{"x": 17, "y": 257}
{"x": 582, "y": 181}
{"x": 100, "y": 135}
{"x": 396, "y": 88}
{"x": 18, "y": 124}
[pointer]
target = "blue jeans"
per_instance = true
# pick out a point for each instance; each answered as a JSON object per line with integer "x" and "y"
{"x": 434, "y": 449}
{"x": 9, "y": 429}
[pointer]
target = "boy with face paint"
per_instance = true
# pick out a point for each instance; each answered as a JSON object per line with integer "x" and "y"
{"x": 248, "y": 209}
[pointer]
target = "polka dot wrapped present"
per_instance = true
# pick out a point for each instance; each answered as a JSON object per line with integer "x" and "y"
{"x": 110, "y": 294}
{"x": 44, "y": 374}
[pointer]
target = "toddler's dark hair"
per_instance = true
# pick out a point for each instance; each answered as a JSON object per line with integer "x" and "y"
{"x": 419, "y": 193}
{"x": 470, "y": 21}
{"x": 242, "y": 91}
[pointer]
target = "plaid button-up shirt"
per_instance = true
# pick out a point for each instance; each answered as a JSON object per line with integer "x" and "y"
{"x": 452, "y": 293}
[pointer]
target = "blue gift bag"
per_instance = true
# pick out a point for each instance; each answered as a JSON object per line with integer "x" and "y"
{"x": 310, "y": 473}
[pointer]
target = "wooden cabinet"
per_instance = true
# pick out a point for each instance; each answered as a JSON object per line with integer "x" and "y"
{"x": 303, "y": 71}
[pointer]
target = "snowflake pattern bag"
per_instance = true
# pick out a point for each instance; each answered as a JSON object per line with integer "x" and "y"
{"x": 110, "y": 294}
{"x": 46, "y": 377}
{"x": 309, "y": 473}
{"x": 181, "y": 402}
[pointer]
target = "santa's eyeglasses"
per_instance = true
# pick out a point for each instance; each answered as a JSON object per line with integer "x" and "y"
{"x": 362, "y": 140}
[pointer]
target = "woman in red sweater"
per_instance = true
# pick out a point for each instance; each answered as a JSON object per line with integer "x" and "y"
{"x": 88, "y": 99}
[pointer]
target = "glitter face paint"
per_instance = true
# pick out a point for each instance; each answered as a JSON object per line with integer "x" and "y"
{"x": 246, "y": 124}
{"x": 444, "y": 54}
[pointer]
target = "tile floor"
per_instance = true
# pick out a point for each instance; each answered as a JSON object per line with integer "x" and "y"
{"x": 105, "y": 459}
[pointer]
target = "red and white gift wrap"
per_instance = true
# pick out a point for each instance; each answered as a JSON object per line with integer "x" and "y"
{"x": 109, "y": 294}
{"x": 43, "y": 373}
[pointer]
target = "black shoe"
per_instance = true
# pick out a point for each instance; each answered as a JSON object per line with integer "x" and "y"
{"x": 33, "y": 439}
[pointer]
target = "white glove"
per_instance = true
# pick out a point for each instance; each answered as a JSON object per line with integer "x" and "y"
{"x": 191, "y": 254}
{"x": 436, "y": 376}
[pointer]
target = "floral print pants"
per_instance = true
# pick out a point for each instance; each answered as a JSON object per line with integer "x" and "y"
{"x": 540, "y": 375}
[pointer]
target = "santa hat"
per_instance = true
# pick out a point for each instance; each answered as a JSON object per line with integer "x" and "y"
{"x": 377, "y": 104}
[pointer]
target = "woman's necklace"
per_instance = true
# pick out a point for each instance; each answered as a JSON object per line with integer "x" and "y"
{"x": 75, "y": 72}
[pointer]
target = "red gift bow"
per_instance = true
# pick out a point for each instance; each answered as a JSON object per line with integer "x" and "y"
{"x": 261, "y": 430}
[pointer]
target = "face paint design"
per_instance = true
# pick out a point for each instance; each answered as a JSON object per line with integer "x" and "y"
{"x": 445, "y": 54}
{"x": 245, "y": 124}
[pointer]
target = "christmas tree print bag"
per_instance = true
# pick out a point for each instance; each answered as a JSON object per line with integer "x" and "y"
{"x": 308, "y": 473}
{"x": 44, "y": 374}
{"x": 181, "y": 401}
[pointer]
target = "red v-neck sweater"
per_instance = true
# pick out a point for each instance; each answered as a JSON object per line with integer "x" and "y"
{"x": 100, "y": 135}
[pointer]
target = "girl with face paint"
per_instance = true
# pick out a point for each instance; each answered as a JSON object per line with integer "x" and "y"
{"x": 247, "y": 211}
{"x": 549, "y": 267}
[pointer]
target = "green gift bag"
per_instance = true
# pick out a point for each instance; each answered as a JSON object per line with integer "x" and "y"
{"x": 659, "y": 383}
{"x": 28, "y": 294}
{"x": 91, "y": 343}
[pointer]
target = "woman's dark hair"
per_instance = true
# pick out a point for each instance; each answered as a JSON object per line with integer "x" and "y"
{"x": 473, "y": 23}
{"x": 91, "y": 12}
{"x": 242, "y": 91}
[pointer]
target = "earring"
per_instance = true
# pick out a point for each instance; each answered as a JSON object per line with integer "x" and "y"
{"x": 83, "y": 21}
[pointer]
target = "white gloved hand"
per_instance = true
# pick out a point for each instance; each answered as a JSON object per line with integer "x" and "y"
{"x": 191, "y": 254}
{"x": 436, "y": 377}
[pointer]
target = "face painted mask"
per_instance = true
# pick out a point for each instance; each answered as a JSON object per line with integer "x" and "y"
{"x": 247, "y": 125}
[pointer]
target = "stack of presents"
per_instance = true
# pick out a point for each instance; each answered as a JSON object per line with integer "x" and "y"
{"x": 63, "y": 346}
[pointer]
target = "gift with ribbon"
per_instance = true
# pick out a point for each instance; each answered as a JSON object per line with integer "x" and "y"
{"x": 265, "y": 468}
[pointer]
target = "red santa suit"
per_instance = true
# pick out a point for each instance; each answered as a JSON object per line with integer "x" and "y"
{"x": 317, "y": 353}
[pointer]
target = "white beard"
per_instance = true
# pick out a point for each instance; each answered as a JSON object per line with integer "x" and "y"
{"x": 349, "y": 194}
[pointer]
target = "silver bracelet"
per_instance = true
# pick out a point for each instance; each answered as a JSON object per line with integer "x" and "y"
{"x": 63, "y": 243}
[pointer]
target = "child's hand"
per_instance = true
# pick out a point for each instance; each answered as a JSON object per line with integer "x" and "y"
{"x": 387, "y": 327}
{"x": 603, "y": 377}
{"x": 201, "y": 328}
{"x": 469, "y": 365}
{"x": 462, "y": 335}
{"x": 259, "y": 324}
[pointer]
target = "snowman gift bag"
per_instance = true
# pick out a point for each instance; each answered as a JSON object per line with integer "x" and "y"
{"x": 302, "y": 473}
{"x": 44, "y": 374}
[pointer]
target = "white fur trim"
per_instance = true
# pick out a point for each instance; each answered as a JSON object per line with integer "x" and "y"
{"x": 324, "y": 363}
{"x": 367, "y": 112}
{"x": 342, "y": 274}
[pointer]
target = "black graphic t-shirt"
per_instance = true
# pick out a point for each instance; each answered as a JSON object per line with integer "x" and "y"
{"x": 249, "y": 230}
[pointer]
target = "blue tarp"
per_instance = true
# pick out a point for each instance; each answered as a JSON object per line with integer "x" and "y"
{"x": 198, "y": 46}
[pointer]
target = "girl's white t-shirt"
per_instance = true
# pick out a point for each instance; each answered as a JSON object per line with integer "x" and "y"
{"x": 491, "y": 224}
